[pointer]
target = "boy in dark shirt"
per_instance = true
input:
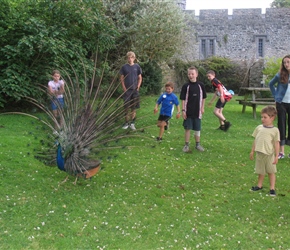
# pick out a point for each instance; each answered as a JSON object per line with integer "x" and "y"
{"x": 131, "y": 79}
{"x": 193, "y": 97}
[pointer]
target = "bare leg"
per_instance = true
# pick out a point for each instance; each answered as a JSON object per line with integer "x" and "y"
{"x": 272, "y": 179}
{"x": 260, "y": 180}
{"x": 187, "y": 135}
{"x": 161, "y": 131}
{"x": 133, "y": 114}
{"x": 219, "y": 114}
{"x": 55, "y": 114}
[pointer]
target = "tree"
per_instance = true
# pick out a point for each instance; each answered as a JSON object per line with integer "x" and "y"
{"x": 152, "y": 29}
{"x": 280, "y": 4}
{"x": 38, "y": 36}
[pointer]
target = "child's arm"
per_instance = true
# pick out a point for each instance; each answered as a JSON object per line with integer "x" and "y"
{"x": 52, "y": 91}
{"x": 60, "y": 91}
{"x": 277, "y": 148}
{"x": 221, "y": 90}
{"x": 213, "y": 98}
{"x": 202, "y": 106}
{"x": 183, "y": 110}
{"x": 253, "y": 151}
{"x": 139, "y": 82}
{"x": 178, "y": 112}
{"x": 156, "y": 108}
{"x": 122, "y": 78}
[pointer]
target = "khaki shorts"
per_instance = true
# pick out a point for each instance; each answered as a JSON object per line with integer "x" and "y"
{"x": 264, "y": 164}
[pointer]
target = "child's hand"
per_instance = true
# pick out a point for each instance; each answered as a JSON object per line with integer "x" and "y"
{"x": 275, "y": 160}
{"x": 177, "y": 115}
{"x": 184, "y": 115}
{"x": 252, "y": 156}
{"x": 155, "y": 111}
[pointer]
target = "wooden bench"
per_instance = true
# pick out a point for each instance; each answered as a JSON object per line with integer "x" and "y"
{"x": 253, "y": 104}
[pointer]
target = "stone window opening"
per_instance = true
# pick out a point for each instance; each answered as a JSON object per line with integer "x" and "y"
{"x": 260, "y": 41}
{"x": 207, "y": 47}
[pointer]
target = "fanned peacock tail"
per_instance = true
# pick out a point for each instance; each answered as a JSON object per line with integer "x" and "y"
{"x": 91, "y": 119}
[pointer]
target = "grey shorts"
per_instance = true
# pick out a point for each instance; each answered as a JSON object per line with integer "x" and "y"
{"x": 131, "y": 99}
{"x": 192, "y": 124}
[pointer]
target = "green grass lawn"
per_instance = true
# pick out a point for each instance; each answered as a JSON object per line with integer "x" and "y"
{"x": 150, "y": 195}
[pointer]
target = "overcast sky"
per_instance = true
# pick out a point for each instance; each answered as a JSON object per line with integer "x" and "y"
{"x": 227, "y": 4}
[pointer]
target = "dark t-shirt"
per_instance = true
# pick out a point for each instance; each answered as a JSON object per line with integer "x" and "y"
{"x": 131, "y": 73}
{"x": 193, "y": 93}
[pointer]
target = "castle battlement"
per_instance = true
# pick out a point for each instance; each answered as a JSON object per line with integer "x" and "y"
{"x": 250, "y": 14}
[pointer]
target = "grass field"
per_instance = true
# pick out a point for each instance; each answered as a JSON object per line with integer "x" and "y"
{"x": 147, "y": 196}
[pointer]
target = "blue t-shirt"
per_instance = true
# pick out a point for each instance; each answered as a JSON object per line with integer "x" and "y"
{"x": 167, "y": 102}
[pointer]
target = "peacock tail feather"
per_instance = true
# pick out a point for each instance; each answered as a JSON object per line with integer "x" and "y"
{"x": 91, "y": 119}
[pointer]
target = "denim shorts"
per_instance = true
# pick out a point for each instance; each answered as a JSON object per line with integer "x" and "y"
{"x": 57, "y": 103}
{"x": 192, "y": 124}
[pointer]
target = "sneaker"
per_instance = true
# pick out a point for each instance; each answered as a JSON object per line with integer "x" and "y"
{"x": 158, "y": 138}
{"x": 272, "y": 192}
{"x": 227, "y": 125}
{"x": 221, "y": 127}
{"x": 199, "y": 148}
{"x": 125, "y": 126}
{"x": 256, "y": 188}
{"x": 281, "y": 156}
{"x": 186, "y": 148}
{"x": 132, "y": 126}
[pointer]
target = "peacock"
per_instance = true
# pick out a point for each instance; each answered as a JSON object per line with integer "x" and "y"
{"x": 90, "y": 121}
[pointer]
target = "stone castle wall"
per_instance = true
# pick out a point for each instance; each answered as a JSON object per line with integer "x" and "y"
{"x": 236, "y": 35}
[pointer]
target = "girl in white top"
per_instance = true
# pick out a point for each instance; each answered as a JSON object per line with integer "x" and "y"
{"x": 56, "y": 90}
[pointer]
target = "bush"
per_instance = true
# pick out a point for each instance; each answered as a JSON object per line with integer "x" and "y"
{"x": 152, "y": 78}
{"x": 272, "y": 66}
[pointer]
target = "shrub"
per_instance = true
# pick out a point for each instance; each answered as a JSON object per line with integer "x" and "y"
{"x": 152, "y": 78}
{"x": 272, "y": 66}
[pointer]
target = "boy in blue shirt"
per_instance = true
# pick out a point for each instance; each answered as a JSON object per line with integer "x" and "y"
{"x": 167, "y": 100}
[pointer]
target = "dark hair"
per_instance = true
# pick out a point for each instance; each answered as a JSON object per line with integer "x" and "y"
{"x": 269, "y": 110}
{"x": 284, "y": 74}
{"x": 169, "y": 84}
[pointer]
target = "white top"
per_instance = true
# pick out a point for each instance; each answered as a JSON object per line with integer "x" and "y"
{"x": 56, "y": 85}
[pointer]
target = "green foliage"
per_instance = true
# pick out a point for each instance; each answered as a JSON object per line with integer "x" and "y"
{"x": 152, "y": 78}
{"x": 34, "y": 42}
{"x": 152, "y": 29}
{"x": 39, "y": 36}
{"x": 147, "y": 196}
{"x": 280, "y": 4}
{"x": 272, "y": 66}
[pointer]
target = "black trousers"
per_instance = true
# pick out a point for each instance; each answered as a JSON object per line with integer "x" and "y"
{"x": 283, "y": 113}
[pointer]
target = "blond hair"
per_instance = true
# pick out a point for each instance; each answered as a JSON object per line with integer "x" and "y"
{"x": 131, "y": 54}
